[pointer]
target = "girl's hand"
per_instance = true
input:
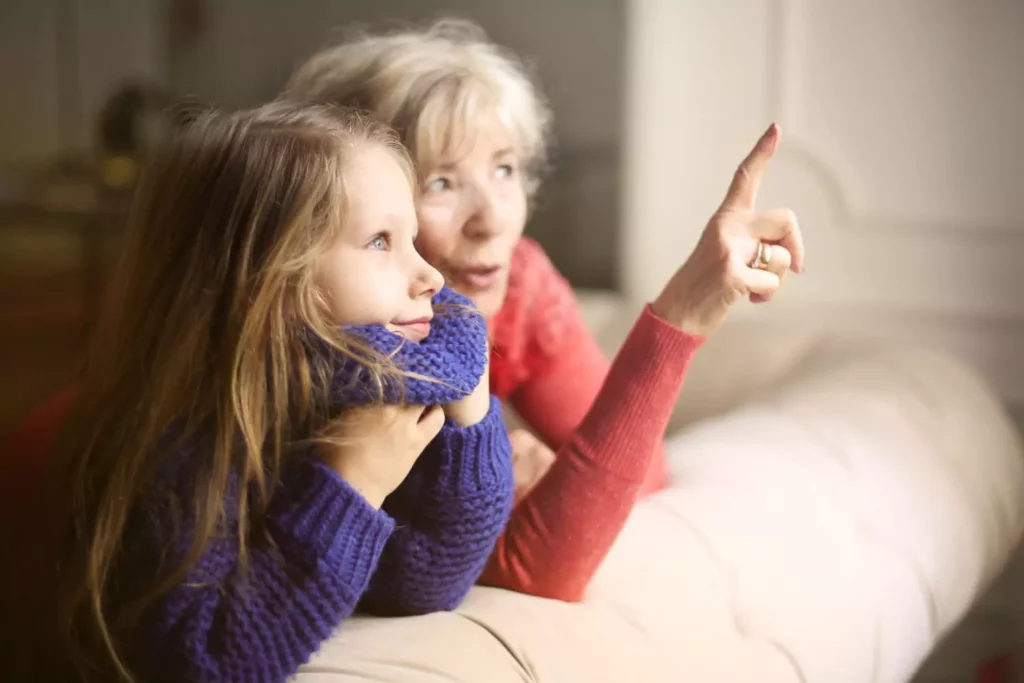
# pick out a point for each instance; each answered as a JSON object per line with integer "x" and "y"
{"x": 468, "y": 411}
{"x": 723, "y": 267}
{"x": 381, "y": 444}
{"x": 531, "y": 460}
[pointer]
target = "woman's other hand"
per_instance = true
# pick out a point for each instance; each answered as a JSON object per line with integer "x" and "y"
{"x": 743, "y": 252}
{"x": 531, "y": 460}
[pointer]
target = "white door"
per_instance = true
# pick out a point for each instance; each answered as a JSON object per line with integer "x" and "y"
{"x": 902, "y": 154}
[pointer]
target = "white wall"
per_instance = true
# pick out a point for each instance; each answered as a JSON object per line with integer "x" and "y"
{"x": 902, "y": 154}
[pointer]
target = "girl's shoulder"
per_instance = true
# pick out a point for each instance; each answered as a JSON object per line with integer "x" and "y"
{"x": 538, "y": 320}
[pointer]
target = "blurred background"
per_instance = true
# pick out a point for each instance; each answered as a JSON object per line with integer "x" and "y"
{"x": 902, "y": 154}
{"x": 83, "y": 83}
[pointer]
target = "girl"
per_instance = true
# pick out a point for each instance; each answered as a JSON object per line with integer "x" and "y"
{"x": 259, "y": 446}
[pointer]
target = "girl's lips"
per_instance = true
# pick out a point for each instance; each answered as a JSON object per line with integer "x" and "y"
{"x": 417, "y": 330}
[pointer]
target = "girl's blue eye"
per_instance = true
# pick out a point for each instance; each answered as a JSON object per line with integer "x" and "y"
{"x": 438, "y": 185}
{"x": 506, "y": 171}
{"x": 380, "y": 242}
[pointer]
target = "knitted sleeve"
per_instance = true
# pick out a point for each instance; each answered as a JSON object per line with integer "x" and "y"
{"x": 448, "y": 512}
{"x": 260, "y": 626}
{"x": 607, "y": 424}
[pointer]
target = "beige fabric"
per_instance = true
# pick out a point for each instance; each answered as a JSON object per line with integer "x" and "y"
{"x": 838, "y": 509}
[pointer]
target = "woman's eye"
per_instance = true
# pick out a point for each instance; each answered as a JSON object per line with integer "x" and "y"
{"x": 380, "y": 242}
{"x": 506, "y": 171}
{"x": 438, "y": 185}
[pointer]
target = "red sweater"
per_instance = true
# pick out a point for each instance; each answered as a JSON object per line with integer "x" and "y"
{"x": 606, "y": 422}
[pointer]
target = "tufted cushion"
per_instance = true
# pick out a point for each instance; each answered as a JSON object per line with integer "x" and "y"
{"x": 836, "y": 506}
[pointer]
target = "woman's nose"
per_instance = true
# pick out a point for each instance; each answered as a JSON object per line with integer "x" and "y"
{"x": 485, "y": 216}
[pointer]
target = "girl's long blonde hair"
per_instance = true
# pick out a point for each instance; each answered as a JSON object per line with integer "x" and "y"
{"x": 206, "y": 336}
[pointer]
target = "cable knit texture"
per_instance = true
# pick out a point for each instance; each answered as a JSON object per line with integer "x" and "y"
{"x": 605, "y": 421}
{"x": 331, "y": 551}
{"x": 451, "y": 359}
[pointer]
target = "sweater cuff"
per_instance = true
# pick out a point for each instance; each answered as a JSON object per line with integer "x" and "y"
{"x": 656, "y": 325}
{"x": 462, "y": 461}
{"x": 630, "y": 415}
{"x": 324, "y": 521}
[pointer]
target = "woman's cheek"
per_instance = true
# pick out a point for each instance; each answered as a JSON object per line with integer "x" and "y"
{"x": 436, "y": 234}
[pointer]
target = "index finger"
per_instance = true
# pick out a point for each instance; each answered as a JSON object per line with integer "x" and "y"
{"x": 743, "y": 190}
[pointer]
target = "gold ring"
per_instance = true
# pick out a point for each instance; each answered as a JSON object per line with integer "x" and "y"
{"x": 763, "y": 257}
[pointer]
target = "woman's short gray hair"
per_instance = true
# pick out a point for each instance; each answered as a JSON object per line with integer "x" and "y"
{"x": 438, "y": 86}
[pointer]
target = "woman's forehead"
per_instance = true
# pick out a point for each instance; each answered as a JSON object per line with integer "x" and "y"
{"x": 474, "y": 140}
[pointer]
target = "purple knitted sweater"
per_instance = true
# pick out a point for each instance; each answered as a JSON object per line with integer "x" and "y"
{"x": 332, "y": 551}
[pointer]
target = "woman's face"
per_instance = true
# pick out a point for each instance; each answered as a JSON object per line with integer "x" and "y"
{"x": 471, "y": 215}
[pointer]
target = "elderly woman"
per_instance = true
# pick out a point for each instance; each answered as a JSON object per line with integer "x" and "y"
{"x": 478, "y": 129}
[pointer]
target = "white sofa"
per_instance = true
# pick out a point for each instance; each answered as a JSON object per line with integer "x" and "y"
{"x": 837, "y": 505}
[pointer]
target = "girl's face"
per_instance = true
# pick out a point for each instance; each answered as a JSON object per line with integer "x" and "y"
{"x": 372, "y": 273}
{"x": 472, "y": 213}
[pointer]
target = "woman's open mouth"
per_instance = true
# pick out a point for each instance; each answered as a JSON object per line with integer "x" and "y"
{"x": 479, "y": 277}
